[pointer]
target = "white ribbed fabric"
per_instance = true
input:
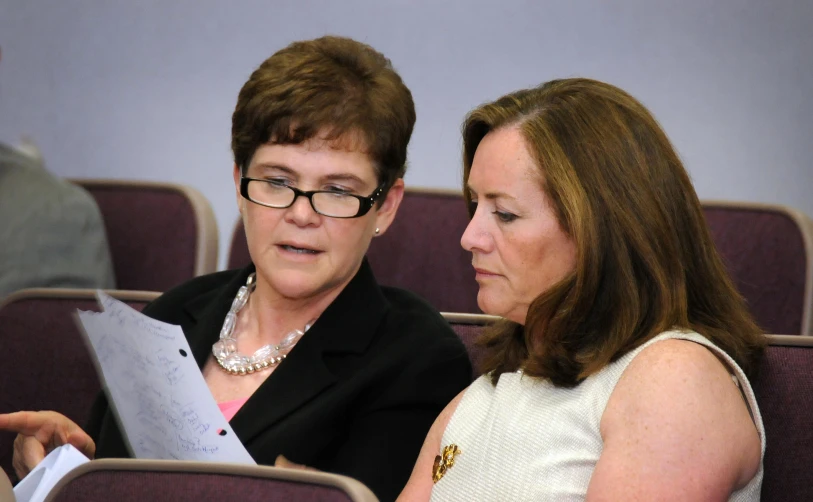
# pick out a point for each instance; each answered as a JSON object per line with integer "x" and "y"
{"x": 526, "y": 439}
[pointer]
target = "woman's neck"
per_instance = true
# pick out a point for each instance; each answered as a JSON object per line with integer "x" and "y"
{"x": 268, "y": 317}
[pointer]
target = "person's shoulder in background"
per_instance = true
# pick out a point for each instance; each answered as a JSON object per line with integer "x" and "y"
{"x": 52, "y": 230}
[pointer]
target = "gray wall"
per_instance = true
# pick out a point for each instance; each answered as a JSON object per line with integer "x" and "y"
{"x": 145, "y": 89}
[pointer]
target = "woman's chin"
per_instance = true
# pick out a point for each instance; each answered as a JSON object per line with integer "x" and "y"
{"x": 488, "y": 305}
{"x": 298, "y": 291}
{"x": 294, "y": 286}
{"x": 491, "y": 306}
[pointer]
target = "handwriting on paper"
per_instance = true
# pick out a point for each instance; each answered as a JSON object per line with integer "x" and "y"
{"x": 155, "y": 386}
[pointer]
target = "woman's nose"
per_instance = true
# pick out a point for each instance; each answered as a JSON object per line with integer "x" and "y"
{"x": 301, "y": 212}
{"x": 474, "y": 237}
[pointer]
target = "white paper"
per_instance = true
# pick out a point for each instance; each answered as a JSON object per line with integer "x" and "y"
{"x": 36, "y": 485}
{"x": 162, "y": 403}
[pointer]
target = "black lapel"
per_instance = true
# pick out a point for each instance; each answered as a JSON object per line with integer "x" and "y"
{"x": 349, "y": 324}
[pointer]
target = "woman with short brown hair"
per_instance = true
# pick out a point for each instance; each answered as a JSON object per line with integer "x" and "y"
{"x": 313, "y": 363}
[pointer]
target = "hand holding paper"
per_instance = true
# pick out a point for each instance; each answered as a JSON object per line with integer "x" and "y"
{"x": 39, "y": 432}
{"x": 159, "y": 396}
{"x": 36, "y": 486}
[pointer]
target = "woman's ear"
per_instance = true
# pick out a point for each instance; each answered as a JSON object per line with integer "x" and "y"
{"x": 386, "y": 212}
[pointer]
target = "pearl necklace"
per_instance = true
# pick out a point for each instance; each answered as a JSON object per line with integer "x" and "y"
{"x": 267, "y": 356}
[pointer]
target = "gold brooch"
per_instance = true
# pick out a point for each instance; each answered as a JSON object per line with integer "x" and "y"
{"x": 444, "y": 461}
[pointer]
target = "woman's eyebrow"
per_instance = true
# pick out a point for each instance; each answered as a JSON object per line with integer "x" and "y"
{"x": 276, "y": 167}
{"x": 343, "y": 177}
{"x": 492, "y": 195}
{"x": 335, "y": 177}
{"x": 498, "y": 195}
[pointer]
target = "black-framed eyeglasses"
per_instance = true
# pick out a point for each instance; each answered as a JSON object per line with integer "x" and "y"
{"x": 270, "y": 193}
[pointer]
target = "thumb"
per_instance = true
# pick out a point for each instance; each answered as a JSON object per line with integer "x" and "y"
{"x": 82, "y": 442}
{"x": 284, "y": 462}
{"x": 281, "y": 461}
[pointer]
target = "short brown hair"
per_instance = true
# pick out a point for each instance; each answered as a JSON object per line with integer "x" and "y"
{"x": 645, "y": 259}
{"x": 331, "y": 85}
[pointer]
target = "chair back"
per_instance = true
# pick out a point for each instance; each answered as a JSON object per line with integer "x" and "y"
{"x": 421, "y": 250}
{"x": 768, "y": 250}
{"x": 469, "y": 327}
{"x": 238, "y": 248}
{"x": 160, "y": 234}
{"x": 137, "y": 480}
{"x": 784, "y": 391}
{"x": 48, "y": 365}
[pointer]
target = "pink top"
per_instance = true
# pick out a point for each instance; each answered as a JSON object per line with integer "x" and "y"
{"x": 230, "y": 408}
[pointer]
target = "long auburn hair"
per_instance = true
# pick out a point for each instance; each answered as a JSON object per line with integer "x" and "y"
{"x": 645, "y": 259}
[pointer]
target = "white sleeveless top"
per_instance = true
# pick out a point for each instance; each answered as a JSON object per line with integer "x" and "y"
{"x": 526, "y": 439}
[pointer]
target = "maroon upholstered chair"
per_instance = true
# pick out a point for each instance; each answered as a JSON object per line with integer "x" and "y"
{"x": 139, "y": 480}
{"x": 238, "y": 248}
{"x": 784, "y": 390}
{"x": 420, "y": 252}
{"x": 47, "y": 365}
{"x": 160, "y": 234}
{"x": 768, "y": 250}
{"x": 469, "y": 327}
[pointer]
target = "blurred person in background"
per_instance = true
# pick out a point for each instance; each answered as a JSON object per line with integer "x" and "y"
{"x": 51, "y": 231}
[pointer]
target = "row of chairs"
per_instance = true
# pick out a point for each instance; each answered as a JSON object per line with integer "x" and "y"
{"x": 160, "y": 234}
{"x": 137, "y": 480}
{"x": 163, "y": 234}
{"x": 65, "y": 380}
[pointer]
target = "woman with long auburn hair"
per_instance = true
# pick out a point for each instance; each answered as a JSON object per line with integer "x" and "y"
{"x": 620, "y": 369}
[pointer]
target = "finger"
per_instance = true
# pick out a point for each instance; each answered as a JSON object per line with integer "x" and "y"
{"x": 32, "y": 423}
{"x": 17, "y": 459}
{"x": 51, "y": 429}
{"x": 28, "y": 452}
{"x": 51, "y": 432}
{"x": 22, "y": 422}
{"x": 55, "y": 435}
{"x": 281, "y": 461}
{"x": 32, "y": 452}
{"x": 64, "y": 431}
{"x": 82, "y": 442}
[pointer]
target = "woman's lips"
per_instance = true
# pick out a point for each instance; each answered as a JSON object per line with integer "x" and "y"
{"x": 482, "y": 273}
{"x": 298, "y": 253}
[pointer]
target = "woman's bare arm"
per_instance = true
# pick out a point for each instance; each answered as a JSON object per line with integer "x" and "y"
{"x": 419, "y": 486}
{"x": 676, "y": 428}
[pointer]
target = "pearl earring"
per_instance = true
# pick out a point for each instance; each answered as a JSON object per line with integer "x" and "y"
{"x": 377, "y": 230}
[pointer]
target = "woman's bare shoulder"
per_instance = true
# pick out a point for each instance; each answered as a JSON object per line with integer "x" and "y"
{"x": 677, "y": 411}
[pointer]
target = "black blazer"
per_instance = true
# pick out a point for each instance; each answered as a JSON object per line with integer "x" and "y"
{"x": 357, "y": 394}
